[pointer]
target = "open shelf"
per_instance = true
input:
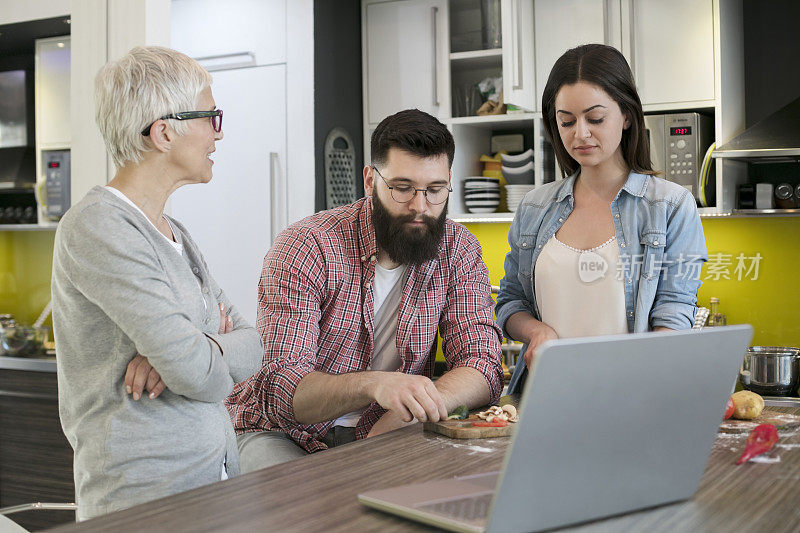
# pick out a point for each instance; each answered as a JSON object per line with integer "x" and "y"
{"x": 510, "y": 120}
{"x": 28, "y": 227}
{"x": 477, "y": 59}
{"x": 481, "y": 218}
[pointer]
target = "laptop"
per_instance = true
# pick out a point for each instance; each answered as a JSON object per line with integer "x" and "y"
{"x": 608, "y": 425}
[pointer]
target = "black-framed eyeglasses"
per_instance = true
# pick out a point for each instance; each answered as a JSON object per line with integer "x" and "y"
{"x": 215, "y": 116}
{"x": 403, "y": 194}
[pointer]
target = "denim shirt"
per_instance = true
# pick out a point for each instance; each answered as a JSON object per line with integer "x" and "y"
{"x": 661, "y": 249}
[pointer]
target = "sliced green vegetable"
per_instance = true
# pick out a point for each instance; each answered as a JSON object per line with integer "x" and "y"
{"x": 459, "y": 413}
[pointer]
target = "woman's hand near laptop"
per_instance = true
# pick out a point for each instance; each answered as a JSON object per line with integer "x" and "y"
{"x": 141, "y": 375}
{"x": 524, "y": 328}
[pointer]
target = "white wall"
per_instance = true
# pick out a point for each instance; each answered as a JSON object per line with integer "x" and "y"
{"x": 12, "y": 11}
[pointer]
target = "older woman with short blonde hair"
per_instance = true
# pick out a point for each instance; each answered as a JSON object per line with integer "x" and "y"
{"x": 148, "y": 345}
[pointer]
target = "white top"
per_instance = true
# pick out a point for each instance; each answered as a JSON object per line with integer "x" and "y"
{"x": 387, "y": 288}
{"x": 580, "y": 293}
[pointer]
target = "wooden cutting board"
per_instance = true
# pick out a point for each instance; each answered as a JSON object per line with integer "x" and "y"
{"x": 776, "y": 418}
{"x": 463, "y": 429}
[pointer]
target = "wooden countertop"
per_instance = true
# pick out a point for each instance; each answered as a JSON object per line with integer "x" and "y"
{"x": 319, "y": 492}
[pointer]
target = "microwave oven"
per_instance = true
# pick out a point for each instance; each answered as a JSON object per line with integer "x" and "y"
{"x": 678, "y": 145}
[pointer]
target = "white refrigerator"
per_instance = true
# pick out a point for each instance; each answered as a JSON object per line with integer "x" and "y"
{"x": 234, "y": 217}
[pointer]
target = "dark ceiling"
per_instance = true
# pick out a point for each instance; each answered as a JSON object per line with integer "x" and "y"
{"x": 19, "y": 38}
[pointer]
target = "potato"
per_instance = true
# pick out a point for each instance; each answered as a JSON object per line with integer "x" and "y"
{"x": 747, "y": 405}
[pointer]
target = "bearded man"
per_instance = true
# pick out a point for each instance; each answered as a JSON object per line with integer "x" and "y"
{"x": 350, "y": 304}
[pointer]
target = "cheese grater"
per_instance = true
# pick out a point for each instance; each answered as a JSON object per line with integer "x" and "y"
{"x": 340, "y": 177}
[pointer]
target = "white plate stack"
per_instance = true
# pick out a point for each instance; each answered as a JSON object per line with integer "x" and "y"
{"x": 515, "y": 194}
{"x": 481, "y": 195}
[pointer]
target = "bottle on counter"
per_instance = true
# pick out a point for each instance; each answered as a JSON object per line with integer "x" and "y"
{"x": 715, "y": 318}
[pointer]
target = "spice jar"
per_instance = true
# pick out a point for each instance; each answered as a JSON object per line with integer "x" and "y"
{"x": 784, "y": 196}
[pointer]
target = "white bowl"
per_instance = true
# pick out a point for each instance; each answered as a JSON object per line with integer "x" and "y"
{"x": 469, "y": 195}
{"x": 480, "y": 181}
{"x": 519, "y": 176}
{"x": 476, "y": 210}
{"x": 483, "y": 203}
{"x": 518, "y": 160}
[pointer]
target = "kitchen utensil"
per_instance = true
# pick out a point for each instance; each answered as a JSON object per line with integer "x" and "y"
{"x": 776, "y": 418}
{"x": 773, "y": 370}
{"x": 463, "y": 429}
{"x": 340, "y": 176}
{"x": 44, "y": 314}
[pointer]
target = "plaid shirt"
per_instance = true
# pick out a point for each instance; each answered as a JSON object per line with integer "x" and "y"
{"x": 316, "y": 314}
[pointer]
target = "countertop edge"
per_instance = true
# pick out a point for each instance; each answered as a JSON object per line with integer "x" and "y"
{"x": 29, "y": 364}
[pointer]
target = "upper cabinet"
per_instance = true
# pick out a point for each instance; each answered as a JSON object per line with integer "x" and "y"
{"x": 669, "y": 45}
{"x": 519, "y": 75}
{"x": 406, "y": 58}
{"x": 223, "y": 38}
{"x": 563, "y": 24}
{"x": 685, "y": 55}
{"x": 671, "y": 49}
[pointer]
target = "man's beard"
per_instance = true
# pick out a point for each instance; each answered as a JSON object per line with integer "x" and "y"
{"x": 403, "y": 244}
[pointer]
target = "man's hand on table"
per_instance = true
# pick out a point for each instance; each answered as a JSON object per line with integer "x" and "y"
{"x": 409, "y": 397}
{"x": 141, "y": 375}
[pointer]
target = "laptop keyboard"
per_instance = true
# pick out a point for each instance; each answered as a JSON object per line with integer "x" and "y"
{"x": 469, "y": 509}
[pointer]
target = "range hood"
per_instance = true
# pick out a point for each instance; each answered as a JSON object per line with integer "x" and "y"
{"x": 774, "y": 139}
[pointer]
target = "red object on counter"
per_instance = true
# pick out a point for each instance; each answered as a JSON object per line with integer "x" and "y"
{"x": 495, "y": 424}
{"x": 761, "y": 439}
{"x": 729, "y": 409}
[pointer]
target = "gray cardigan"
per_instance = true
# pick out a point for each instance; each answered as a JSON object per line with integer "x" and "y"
{"x": 119, "y": 288}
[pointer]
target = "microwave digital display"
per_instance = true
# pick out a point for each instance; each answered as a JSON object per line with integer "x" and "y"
{"x": 680, "y": 130}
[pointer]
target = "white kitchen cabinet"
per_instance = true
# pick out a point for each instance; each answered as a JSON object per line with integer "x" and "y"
{"x": 519, "y": 75}
{"x": 564, "y": 24}
{"x": 406, "y": 58}
{"x": 684, "y": 55}
{"x": 671, "y": 49}
{"x": 52, "y": 94}
{"x": 249, "y": 32}
{"x": 669, "y": 45}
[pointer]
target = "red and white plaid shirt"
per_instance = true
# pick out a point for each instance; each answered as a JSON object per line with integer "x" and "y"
{"x": 316, "y": 314}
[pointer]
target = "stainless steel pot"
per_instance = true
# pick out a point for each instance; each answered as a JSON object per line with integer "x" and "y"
{"x": 773, "y": 370}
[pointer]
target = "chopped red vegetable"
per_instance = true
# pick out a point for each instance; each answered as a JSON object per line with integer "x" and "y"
{"x": 761, "y": 439}
{"x": 493, "y": 424}
{"x": 729, "y": 409}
